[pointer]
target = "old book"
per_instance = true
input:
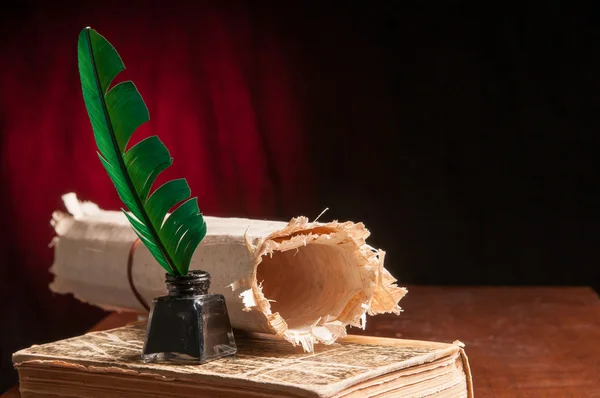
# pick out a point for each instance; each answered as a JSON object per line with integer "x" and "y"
{"x": 303, "y": 281}
{"x": 108, "y": 364}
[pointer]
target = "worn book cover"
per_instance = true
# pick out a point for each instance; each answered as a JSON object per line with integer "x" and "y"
{"x": 106, "y": 364}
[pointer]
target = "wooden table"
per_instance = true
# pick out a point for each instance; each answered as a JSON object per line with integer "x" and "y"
{"x": 521, "y": 342}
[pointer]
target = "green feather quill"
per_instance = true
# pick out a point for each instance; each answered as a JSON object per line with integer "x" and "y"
{"x": 115, "y": 114}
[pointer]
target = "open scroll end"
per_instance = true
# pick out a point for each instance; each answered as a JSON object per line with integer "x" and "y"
{"x": 311, "y": 280}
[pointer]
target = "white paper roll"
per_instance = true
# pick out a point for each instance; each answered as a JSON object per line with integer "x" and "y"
{"x": 299, "y": 280}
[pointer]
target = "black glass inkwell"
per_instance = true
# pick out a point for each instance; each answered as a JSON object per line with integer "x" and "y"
{"x": 189, "y": 325}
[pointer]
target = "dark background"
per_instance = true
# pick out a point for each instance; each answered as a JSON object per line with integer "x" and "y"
{"x": 465, "y": 139}
{"x": 472, "y": 134}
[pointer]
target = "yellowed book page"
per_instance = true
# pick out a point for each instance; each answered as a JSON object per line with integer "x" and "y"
{"x": 272, "y": 364}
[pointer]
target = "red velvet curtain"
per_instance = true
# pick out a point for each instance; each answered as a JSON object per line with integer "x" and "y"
{"x": 221, "y": 96}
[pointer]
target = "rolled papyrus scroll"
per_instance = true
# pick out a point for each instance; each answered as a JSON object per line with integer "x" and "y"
{"x": 304, "y": 281}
